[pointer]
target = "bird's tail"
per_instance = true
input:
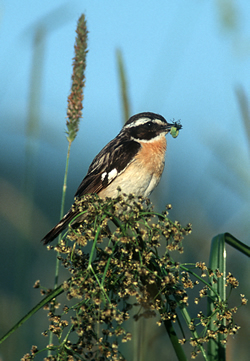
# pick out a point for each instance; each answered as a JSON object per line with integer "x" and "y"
{"x": 63, "y": 224}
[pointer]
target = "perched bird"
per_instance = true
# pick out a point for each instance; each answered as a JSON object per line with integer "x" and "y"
{"x": 133, "y": 161}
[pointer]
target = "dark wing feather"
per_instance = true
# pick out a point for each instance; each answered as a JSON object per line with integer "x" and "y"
{"x": 117, "y": 154}
{"x": 54, "y": 232}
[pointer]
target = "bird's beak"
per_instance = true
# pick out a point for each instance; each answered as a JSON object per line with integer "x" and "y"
{"x": 173, "y": 128}
{"x": 175, "y": 125}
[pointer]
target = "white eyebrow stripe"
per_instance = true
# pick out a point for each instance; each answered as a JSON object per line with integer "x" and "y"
{"x": 142, "y": 121}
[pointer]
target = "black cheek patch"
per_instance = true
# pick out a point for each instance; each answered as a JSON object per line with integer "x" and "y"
{"x": 140, "y": 132}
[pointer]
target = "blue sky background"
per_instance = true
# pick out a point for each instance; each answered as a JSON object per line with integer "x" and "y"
{"x": 183, "y": 60}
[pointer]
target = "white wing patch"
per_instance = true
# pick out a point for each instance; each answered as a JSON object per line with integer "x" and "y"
{"x": 112, "y": 174}
{"x": 103, "y": 176}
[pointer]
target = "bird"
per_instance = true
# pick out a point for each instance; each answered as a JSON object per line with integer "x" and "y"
{"x": 133, "y": 162}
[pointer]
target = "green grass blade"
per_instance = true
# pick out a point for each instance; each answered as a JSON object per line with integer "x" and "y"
{"x": 47, "y": 299}
{"x": 217, "y": 350}
{"x": 123, "y": 86}
{"x": 187, "y": 318}
{"x": 235, "y": 243}
{"x": 174, "y": 340}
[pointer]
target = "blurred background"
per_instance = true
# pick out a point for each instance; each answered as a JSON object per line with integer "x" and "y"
{"x": 187, "y": 60}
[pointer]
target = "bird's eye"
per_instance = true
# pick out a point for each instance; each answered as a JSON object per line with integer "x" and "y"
{"x": 149, "y": 124}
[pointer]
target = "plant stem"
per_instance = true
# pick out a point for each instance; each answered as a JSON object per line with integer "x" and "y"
{"x": 47, "y": 299}
{"x": 61, "y": 215}
{"x": 174, "y": 340}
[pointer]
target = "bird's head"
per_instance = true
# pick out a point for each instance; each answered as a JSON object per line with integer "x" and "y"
{"x": 149, "y": 126}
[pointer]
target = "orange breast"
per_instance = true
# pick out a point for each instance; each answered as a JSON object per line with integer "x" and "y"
{"x": 143, "y": 174}
{"x": 152, "y": 156}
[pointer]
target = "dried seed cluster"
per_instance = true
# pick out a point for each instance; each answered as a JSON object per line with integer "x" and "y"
{"x": 117, "y": 262}
{"x": 74, "y": 111}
